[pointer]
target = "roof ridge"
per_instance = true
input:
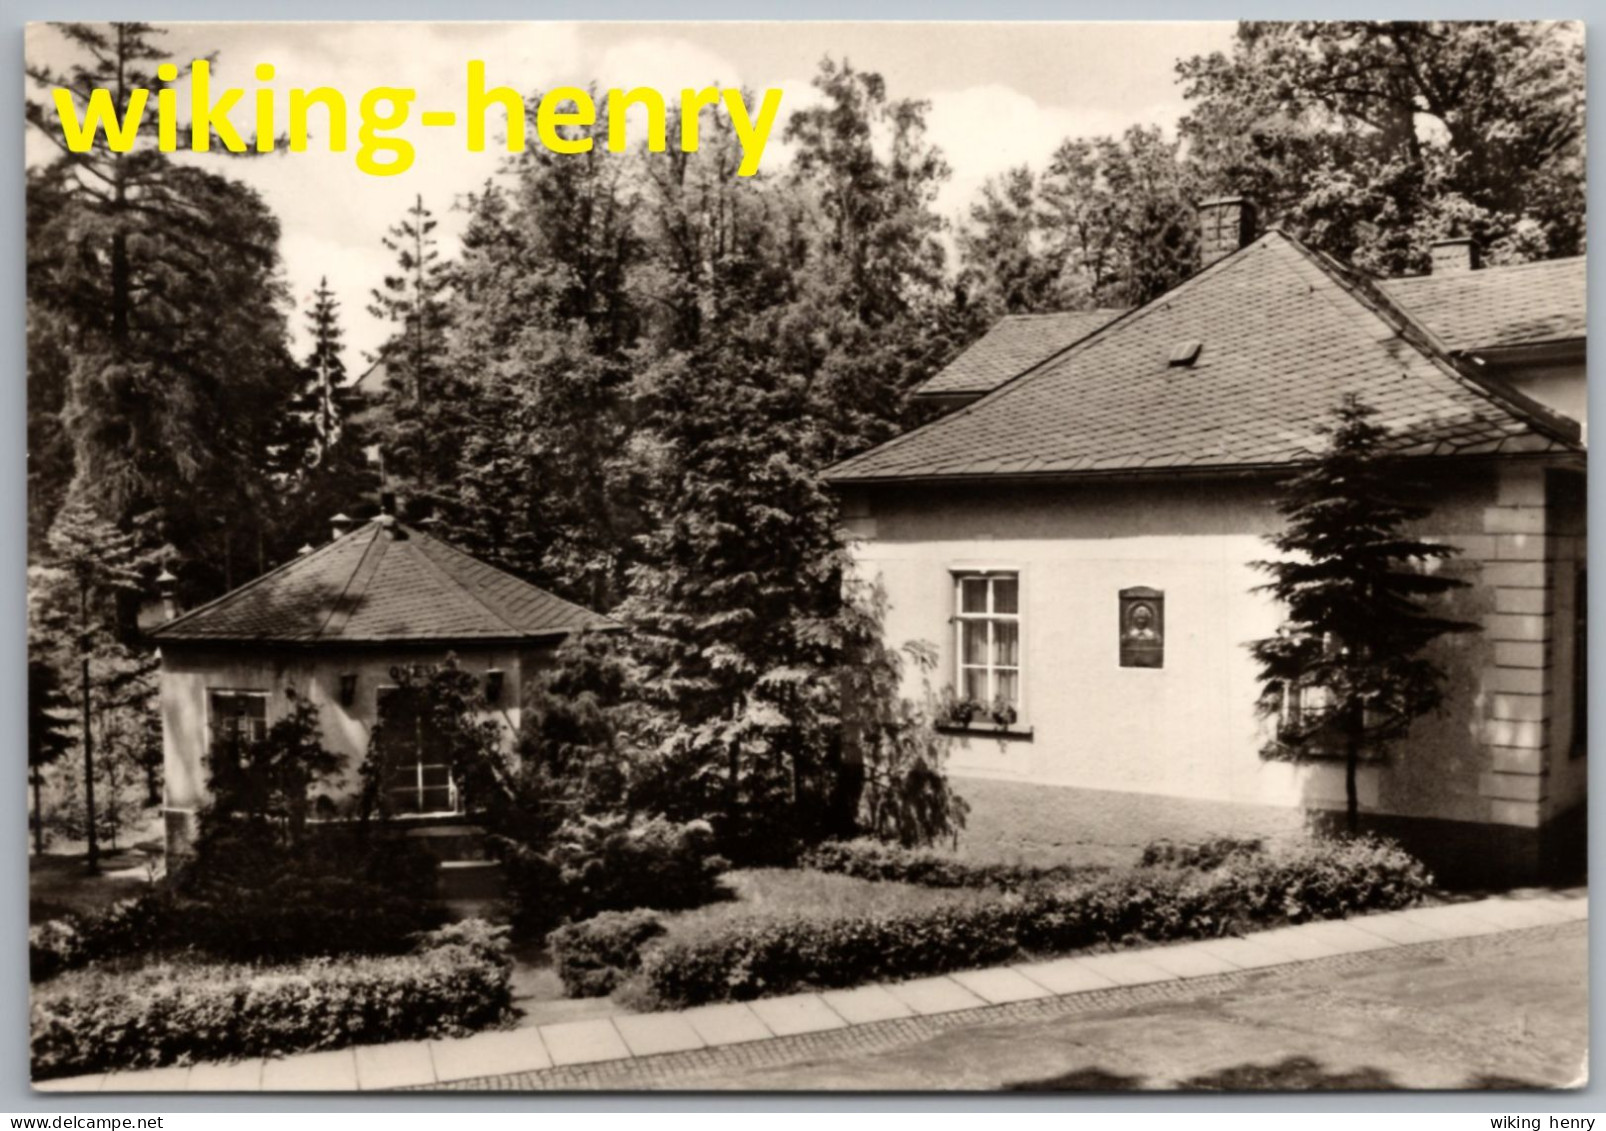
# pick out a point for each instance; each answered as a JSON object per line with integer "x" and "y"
{"x": 339, "y": 609}
{"x": 1363, "y": 289}
{"x": 492, "y": 603}
{"x": 1480, "y": 272}
{"x": 424, "y": 538}
{"x": 254, "y": 582}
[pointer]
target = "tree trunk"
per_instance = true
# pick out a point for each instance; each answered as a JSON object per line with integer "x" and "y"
{"x": 38, "y": 815}
{"x": 93, "y": 856}
{"x": 1352, "y": 759}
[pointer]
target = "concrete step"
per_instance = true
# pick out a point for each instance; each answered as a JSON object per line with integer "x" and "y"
{"x": 458, "y": 880}
{"x": 450, "y": 842}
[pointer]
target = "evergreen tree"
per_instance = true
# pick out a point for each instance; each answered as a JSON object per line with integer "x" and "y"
{"x": 132, "y": 258}
{"x": 324, "y": 397}
{"x": 420, "y": 415}
{"x": 1347, "y": 662}
{"x": 49, "y": 732}
{"x": 93, "y": 566}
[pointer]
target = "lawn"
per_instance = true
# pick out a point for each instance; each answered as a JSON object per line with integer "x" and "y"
{"x": 781, "y": 893}
{"x": 755, "y": 893}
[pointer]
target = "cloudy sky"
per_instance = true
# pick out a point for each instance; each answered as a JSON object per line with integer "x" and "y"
{"x": 1001, "y": 94}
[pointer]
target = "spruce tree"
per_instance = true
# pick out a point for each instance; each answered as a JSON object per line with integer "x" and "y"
{"x": 49, "y": 732}
{"x": 132, "y": 259}
{"x": 93, "y": 568}
{"x": 420, "y": 417}
{"x": 1347, "y": 663}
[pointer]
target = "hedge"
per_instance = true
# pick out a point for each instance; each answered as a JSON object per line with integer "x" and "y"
{"x": 97, "y": 1020}
{"x": 594, "y": 956}
{"x": 759, "y": 958}
{"x": 877, "y": 860}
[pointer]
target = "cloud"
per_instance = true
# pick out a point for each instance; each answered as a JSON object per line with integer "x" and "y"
{"x": 985, "y": 130}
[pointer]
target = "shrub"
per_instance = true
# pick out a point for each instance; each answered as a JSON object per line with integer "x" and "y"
{"x": 596, "y": 955}
{"x": 754, "y": 958}
{"x": 129, "y": 926}
{"x": 613, "y": 863}
{"x": 299, "y": 917}
{"x": 456, "y": 982}
{"x": 248, "y": 895}
{"x": 1205, "y": 854}
{"x": 878, "y": 860}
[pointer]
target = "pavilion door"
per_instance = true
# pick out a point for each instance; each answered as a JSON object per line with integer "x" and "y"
{"x": 418, "y": 779}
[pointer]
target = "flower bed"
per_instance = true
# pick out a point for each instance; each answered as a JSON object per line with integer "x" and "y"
{"x": 455, "y": 982}
{"x": 1244, "y": 890}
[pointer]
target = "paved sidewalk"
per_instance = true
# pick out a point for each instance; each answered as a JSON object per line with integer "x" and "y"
{"x": 559, "y": 1047}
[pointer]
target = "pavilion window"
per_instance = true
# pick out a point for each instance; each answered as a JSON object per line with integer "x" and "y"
{"x": 236, "y": 720}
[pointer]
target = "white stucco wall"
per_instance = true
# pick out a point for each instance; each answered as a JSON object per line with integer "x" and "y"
{"x": 189, "y": 672}
{"x": 1188, "y": 729}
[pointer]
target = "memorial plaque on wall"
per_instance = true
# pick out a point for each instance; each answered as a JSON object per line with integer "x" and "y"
{"x": 1142, "y": 628}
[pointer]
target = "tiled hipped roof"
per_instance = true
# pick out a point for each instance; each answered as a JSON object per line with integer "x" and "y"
{"x": 383, "y": 582}
{"x": 1284, "y": 333}
{"x": 1014, "y": 345}
{"x": 1529, "y": 304}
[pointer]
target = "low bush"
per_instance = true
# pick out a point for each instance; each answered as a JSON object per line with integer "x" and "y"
{"x": 454, "y": 983}
{"x": 878, "y": 860}
{"x": 596, "y": 955}
{"x": 129, "y": 926}
{"x": 1204, "y": 854}
{"x": 612, "y": 863}
{"x": 755, "y": 958}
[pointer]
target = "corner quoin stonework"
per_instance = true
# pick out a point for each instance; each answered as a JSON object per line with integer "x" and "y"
{"x": 1530, "y": 559}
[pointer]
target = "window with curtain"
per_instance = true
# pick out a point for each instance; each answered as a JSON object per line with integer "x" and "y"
{"x": 987, "y": 620}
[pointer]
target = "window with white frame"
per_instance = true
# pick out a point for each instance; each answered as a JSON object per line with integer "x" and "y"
{"x": 987, "y": 628}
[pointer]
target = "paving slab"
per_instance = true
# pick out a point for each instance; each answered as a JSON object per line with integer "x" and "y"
{"x": 489, "y": 1054}
{"x": 1456, "y": 918}
{"x": 1298, "y": 944}
{"x": 334, "y": 1071}
{"x": 866, "y": 1004}
{"x": 797, "y": 1013}
{"x": 1127, "y": 969}
{"x": 89, "y": 1083}
{"x": 404, "y": 1064}
{"x": 1245, "y": 954}
{"x": 583, "y": 1042}
{"x": 1515, "y": 914}
{"x": 170, "y": 1079}
{"x": 1066, "y": 976}
{"x": 226, "y": 1076}
{"x": 1345, "y": 938}
{"x": 1190, "y": 960}
{"x": 649, "y": 1034}
{"x": 728, "y": 1023}
{"x": 934, "y": 995}
{"x": 1399, "y": 928}
{"x": 1575, "y": 908}
{"x": 1000, "y": 985}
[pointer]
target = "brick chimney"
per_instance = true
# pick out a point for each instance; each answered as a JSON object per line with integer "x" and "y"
{"x": 1226, "y": 224}
{"x": 1451, "y": 256}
